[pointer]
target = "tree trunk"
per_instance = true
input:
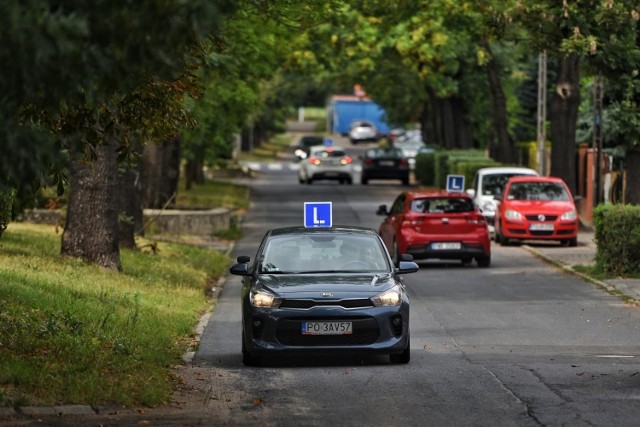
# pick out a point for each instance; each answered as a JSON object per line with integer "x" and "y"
{"x": 91, "y": 228}
{"x": 161, "y": 171}
{"x": 130, "y": 216}
{"x": 632, "y": 192}
{"x": 6, "y": 204}
{"x": 503, "y": 150}
{"x": 564, "y": 117}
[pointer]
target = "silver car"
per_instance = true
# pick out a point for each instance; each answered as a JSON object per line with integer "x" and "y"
{"x": 362, "y": 131}
{"x": 326, "y": 163}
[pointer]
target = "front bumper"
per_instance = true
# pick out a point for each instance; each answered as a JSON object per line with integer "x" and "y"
{"x": 278, "y": 331}
{"x": 522, "y": 231}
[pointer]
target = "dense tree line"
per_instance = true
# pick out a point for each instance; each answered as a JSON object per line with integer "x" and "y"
{"x": 111, "y": 103}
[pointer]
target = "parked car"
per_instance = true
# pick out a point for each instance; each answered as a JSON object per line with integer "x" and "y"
{"x": 433, "y": 224}
{"x": 362, "y": 131}
{"x": 326, "y": 163}
{"x": 301, "y": 149}
{"x": 323, "y": 290}
{"x": 384, "y": 163}
{"x": 489, "y": 183}
{"x": 536, "y": 208}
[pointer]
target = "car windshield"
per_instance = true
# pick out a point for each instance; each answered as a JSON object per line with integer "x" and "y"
{"x": 320, "y": 253}
{"x": 442, "y": 205}
{"x": 538, "y": 191}
{"x": 493, "y": 185}
{"x": 394, "y": 153}
{"x": 310, "y": 141}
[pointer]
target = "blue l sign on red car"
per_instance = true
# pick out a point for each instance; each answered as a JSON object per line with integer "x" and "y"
{"x": 455, "y": 182}
{"x": 317, "y": 214}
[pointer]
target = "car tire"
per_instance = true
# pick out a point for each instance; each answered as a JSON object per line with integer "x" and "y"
{"x": 350, "y": 181}
{"x": 309, "y": 181}
{"x": 484, "y": 261}
{"x": 466, "y": 260}
{"x": 364, "y": 181}
{"x": 404, "y": 357}
{"x": 573, "y": 242}
{"x": 405, "y": 181}
{"x": 496, "y": 237}
{"x": 248, "y": 358}
{"x": 500, "y": 238}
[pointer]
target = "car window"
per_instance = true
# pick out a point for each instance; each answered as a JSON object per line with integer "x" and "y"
{"x": 398, "y": 205}
{"x": 321, "y": 252}
{"x": 376, "y": 153}
{"x": 442, "y": 205}
{"x": 538, "y": 191}
{"x": 310, "y": 141}
{"x": 493, "y": 184}
{"x": 326, "y": 153}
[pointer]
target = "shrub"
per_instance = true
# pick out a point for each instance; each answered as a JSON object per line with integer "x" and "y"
{"x": 425, "y": 169}
{"x": 617, "y": 237}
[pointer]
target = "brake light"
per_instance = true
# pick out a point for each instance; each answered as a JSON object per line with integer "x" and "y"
{"x": 346, "y": 160}
{"x": 404, "y": 163}
{"x": 477, "y": 219}
{"x": 369, "y": 162}
{"x": 314, "y": 160}
{"x": 412, "y": 222}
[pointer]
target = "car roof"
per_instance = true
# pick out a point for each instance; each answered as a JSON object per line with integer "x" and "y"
{"x": 506, "y": 169}
{"x": 337, "y": 229}
{"x": 325, "y": 148}
{"x": 437, "y": 193}
{"x": 535, "y": 179}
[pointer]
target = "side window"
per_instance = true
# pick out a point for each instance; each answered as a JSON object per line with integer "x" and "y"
{"x": 398, "y": 205}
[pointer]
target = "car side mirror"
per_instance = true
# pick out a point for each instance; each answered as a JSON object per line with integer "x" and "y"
{"x": 240, "y": 269}
{"x": 243, "y": 258}
{"x": 405, "y": 267}
{"x": 382, "y": 210}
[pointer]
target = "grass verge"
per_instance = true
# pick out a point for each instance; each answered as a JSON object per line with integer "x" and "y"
{"x": 71, "y": 332}
{"x": 268, "y": 150}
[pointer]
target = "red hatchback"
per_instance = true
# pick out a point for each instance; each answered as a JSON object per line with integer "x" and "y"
{"x": 536, "y": 208}
{"x": 437, "y": 225}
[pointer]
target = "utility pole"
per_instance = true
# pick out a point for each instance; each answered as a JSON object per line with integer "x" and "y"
{"x": 542, "y": 112}
{"x": 598, "y": 88}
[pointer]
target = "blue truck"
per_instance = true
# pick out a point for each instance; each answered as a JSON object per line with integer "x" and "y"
{"x": 344, "y": 109}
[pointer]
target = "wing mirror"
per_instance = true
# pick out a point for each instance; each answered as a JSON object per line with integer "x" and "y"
{"x": 241, "y": 267}
{"x": 382, "y": 210}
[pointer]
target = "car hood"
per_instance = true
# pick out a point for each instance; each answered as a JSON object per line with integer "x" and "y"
{"x": 314, "y": 285}
{"x": 536, "y": 206}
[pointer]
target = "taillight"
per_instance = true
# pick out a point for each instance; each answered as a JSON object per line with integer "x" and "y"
{"x": 314, "y": 160}
{"x": 477, "y": 219}
{"x": 412, "y": 222}
{"x": 404, "y": 163}
{"x": 346, "y": 160}
{"x": 369, "y": 162}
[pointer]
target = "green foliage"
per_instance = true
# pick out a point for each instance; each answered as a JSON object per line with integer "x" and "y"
{"x": 425, "y": 169}
{"x": 446, "y": 163}
{"x": 6, "y": 202}
{"x": 618, "y": 239}
{"x": 75, "y": 333}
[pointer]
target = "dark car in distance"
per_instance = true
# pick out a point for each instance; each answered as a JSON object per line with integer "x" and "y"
{"x": 323, "y": 291}
{"x": 385, "y": 163}
{"x": 301, "y": 149}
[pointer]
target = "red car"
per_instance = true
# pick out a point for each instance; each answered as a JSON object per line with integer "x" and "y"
{"x": 536, "y": 208}
{"x": 437, "y": 225}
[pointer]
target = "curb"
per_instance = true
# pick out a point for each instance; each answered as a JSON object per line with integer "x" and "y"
{"x": 608, "y": 287}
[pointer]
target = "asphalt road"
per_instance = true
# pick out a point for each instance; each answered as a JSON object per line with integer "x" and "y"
{"x": 519, "y": 343}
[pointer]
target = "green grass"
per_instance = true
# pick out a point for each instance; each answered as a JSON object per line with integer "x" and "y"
{"x": 71, "y": 332}
{"x": 214, "y": 194}
{"x": 268, "y": 150}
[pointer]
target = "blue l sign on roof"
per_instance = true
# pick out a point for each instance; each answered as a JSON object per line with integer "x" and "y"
{"x": 317, "y": 214}
{"x": 455, "y": 182}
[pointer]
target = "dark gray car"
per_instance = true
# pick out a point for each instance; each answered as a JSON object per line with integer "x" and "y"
{"x": 323, "y": 290}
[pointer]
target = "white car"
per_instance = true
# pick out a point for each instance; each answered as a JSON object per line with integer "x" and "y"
{"x": 326, "y": 163}
{"x": 361, "y": 131}
{"x": 488, "y": 183}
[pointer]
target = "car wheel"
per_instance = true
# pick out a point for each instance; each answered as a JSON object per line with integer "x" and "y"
{"x": 500, "y": 238}
{"x": 403, "y": 357}
{"x": 484, "y": 261}
{"x": 405, "y": 181}
{"x": 364, "y": 181}
{"x": 341, "y": 181}
{"x": 248, "y": 358}
{"x": 309, "y": 181}
{"x": 466, "y": 260}
{"x": 573, "y": 242}
{"x": 350, "y": 181}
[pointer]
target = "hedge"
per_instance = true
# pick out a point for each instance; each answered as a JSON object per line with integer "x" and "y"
{"x": 617, "y": 238}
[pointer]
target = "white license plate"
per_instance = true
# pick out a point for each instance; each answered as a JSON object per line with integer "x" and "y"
{"x": 446, "y": 245}
{"x": 541, "y": 227}
{"x": 386, "y": 163}
{"x": 327, "y": 328}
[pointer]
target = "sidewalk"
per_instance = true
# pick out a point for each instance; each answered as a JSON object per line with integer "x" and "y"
{"x": 584, "y": 254}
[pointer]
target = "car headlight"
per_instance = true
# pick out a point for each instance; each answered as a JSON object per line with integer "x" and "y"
{"x": 390, "y": 298}
{"x": 569, "y": 216}
{"x": 488, "y": 207}
{"x": 513, "y": 215}
{"x": 262, "y": 299}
